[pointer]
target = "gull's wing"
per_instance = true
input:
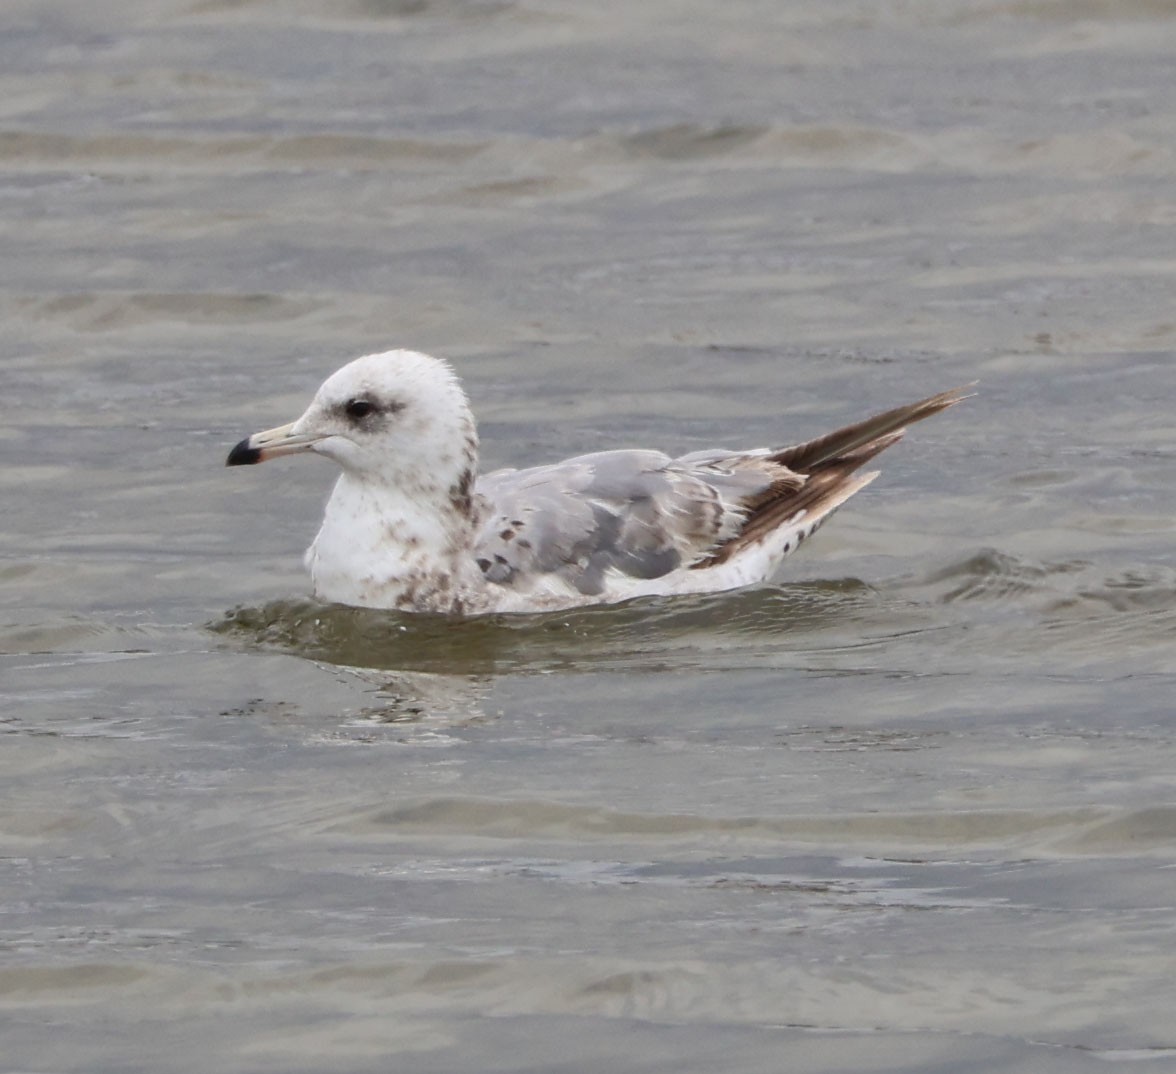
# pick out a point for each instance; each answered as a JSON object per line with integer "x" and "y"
{"x": 642, "y": 515}
{"x": 634, "y": 513}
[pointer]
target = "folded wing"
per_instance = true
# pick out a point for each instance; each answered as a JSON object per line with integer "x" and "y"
{"x": 615, "y": 515}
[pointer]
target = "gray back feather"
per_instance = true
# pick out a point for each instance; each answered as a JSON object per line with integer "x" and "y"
{"x": 634, "y": 512}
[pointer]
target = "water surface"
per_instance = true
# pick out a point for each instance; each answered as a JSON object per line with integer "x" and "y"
{"x": 911, "y": 806}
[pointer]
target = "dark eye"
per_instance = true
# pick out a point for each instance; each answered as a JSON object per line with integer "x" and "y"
{"x": 359, "y": 408}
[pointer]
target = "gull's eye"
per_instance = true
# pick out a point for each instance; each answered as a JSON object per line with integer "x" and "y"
{"x": 359, "y": 408}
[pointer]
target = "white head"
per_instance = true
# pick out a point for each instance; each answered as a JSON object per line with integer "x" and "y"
{"x": 398, "y": 419}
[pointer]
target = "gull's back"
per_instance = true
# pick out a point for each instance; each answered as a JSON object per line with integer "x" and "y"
{"x": 619, "y": 524}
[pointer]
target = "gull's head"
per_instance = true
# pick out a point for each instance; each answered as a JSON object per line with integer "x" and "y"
{"x": 399, "y": 417}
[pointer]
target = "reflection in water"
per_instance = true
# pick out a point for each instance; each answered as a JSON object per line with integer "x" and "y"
{"x": 417, "y": 698}
{"x": 644, "y": 632}
{"x": 985, "y": 608}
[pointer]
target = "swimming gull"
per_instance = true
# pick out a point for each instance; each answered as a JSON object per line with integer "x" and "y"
{"x": 411, "y": 525}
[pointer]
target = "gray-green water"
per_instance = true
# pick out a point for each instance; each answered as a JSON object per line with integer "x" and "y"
{"x": 911, "y": 808}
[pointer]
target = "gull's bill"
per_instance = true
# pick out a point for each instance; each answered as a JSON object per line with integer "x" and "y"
{"x": 271, "y": 444}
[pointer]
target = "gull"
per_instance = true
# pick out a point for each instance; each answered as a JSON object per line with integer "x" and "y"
{"x": 411, "y": 524}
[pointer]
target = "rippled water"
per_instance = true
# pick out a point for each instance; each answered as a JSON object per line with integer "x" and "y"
{"x": 911, "y": 807}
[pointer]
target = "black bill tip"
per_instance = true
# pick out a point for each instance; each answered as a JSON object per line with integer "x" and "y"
{"x": 243, "y": 455}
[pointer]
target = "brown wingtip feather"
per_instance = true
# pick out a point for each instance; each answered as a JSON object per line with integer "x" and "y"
{"x": 803, "y": 458}
{"x": 828, "y": 465}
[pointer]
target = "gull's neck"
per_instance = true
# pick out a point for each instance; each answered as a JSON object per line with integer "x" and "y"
{"x": 388, "y": 546}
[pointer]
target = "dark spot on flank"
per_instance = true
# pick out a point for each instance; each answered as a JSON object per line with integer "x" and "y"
{"x": 507, "y": 534}
{"x": 517, "y": 523}
{"x": 243, "y": 455}
{"x": 499, "y": 571}
{"x": 459, "y": 491}
{"x": 523, "y": 543}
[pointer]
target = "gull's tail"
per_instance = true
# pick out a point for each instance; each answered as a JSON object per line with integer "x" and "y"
{"x": 787, "y": 512}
